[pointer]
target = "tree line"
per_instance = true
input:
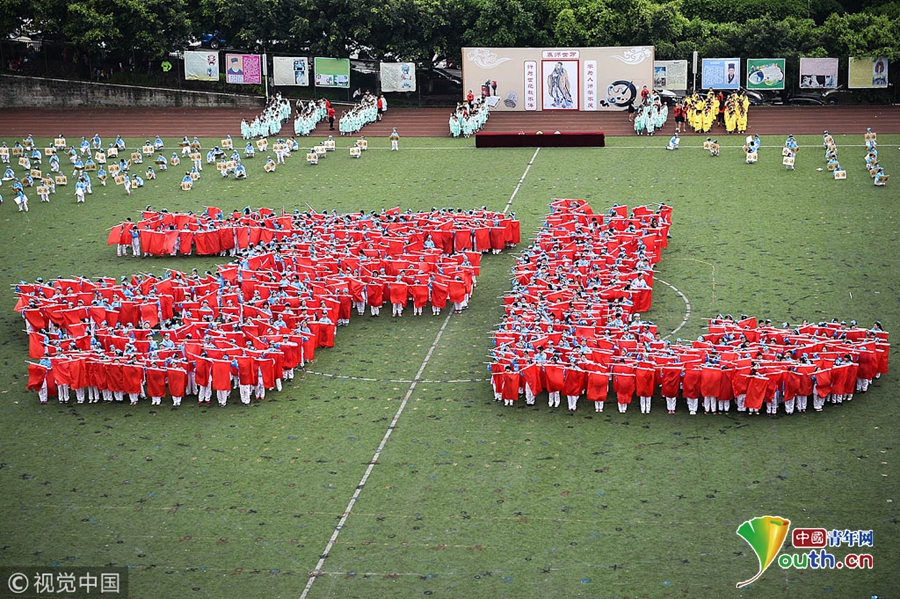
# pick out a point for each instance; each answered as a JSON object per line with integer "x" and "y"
{"x": 427, "y": 31}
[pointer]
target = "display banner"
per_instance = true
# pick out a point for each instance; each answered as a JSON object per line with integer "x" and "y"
{"x": 290, "y": 70}
{"x": 398, "y": 77}
{"x": 867, "y": 72}
{"x": 201, "y": 66}
{"x": 332, "y": 72}
{"x": 670, "y": 74}
{"x": 243, "y": 68}
{"x": 765, "y": 73}
{"x": 721, "y": 73}
{"x": 818, "y": 72}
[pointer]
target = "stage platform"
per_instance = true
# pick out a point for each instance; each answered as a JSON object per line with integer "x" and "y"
{"x": 537, "y": 139}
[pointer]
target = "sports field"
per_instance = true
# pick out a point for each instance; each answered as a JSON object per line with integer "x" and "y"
{"x": 469, "y": 498}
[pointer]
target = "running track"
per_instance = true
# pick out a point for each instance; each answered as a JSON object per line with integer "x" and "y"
{"x": 425, "y": 122}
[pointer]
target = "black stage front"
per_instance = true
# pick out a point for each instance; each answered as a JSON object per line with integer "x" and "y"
{"x": 533, "y": 139}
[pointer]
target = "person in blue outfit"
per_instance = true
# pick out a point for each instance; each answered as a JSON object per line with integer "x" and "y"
{"x": 673, "y": 142}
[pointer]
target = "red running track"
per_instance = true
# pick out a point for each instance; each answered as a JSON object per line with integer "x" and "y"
{"x": 424, "y": 122}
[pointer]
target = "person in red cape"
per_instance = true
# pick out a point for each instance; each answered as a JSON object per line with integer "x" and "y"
{"x": 623, "y": 385}
{"x": 78, "y": 378}
{"x": 511, "y": 382}
{"x": 156, "y": 383}
{"x": 133, "y": 378}
{"x": 221, "y": 380}
{"x": 419, "y": 293}
{"x": 37, "y": 378}
{"x": 822, "y": 387}
{"x": 247, "y": 377}
{"x": 398, "y": 293}
{"x": 202, "y": 378}
{"x": 790, "y": 382}
{"x": 670, "y": 380}
{"x": 555, "y": 375}
{"x": 116, "y": 374}
{"x": 775, "y": 376}
{"x": 375, "y": 296}
{"x": 439, "y": 293}
{"x": 710, "y": 382}
{"x": 690, "y": 388}
{"x": 62, "y": 376}
{"x": 597, "y": 388}
{"x": 756, "y": 392}
{"x": 645, "y": 381}
{"x": 345, "y": 308}
{"x": 531, "y": 378}
{"x": 177, "y": 378}
{"x": 725, "y": 393}
{"x": 804, "y": 383}
{"x": 265, "y": 363}
{"x": 573, "y": 386}
{"x": 457, "y": 294}
{"x": 497, "y": 370}
{"x": 739, "y": 382}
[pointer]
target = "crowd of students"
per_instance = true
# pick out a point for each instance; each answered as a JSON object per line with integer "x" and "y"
{"x": 295, "y": 278}
{"x": 469, "y": 117}
{"x": 876, "y": 171}
{"x": 88, "y": 159}
{"x": 368, "y": 109}
{"x": 650, "y": 114}
{"x": 309, "y": 115}
{"x": 269, "y": 122}
{"x": 701, "y": 112}
{"x": 572, "y": 327}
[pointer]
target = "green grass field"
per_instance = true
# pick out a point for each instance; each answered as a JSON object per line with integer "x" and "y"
{"x": 470, "y": 499}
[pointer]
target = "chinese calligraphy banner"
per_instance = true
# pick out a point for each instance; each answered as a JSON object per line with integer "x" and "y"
{"x": 243, "y": 68}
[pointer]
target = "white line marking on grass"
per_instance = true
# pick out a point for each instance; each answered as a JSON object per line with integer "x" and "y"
{"x": 362, "y": 483}
{"x": 521, "y": 180}
{"x": 687, "y": 306}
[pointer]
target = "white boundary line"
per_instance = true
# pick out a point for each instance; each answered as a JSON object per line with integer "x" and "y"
{"x": 687, "y": 306}
{"x": 521, "y": 180}
{"x": 362, "y": 483}
{"x": 387, "y": 435}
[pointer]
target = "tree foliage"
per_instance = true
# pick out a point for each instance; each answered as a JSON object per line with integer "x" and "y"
{"x": 423, "y": 30}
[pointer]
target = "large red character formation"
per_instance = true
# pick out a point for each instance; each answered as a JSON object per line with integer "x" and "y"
{"x": 572, "y": 327}
{"x": 294, "y": 279}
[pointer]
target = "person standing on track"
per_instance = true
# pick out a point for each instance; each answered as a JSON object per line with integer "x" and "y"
{"x": 395, "y": 140}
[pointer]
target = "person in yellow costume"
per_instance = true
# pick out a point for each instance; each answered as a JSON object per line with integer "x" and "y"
{"x": 730, "y": 116}
{"x": 697, "y": 120}
{"x": 709, "y": 115}
{"x": 743, "y": 112}
{"x": 741, "y": 119}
